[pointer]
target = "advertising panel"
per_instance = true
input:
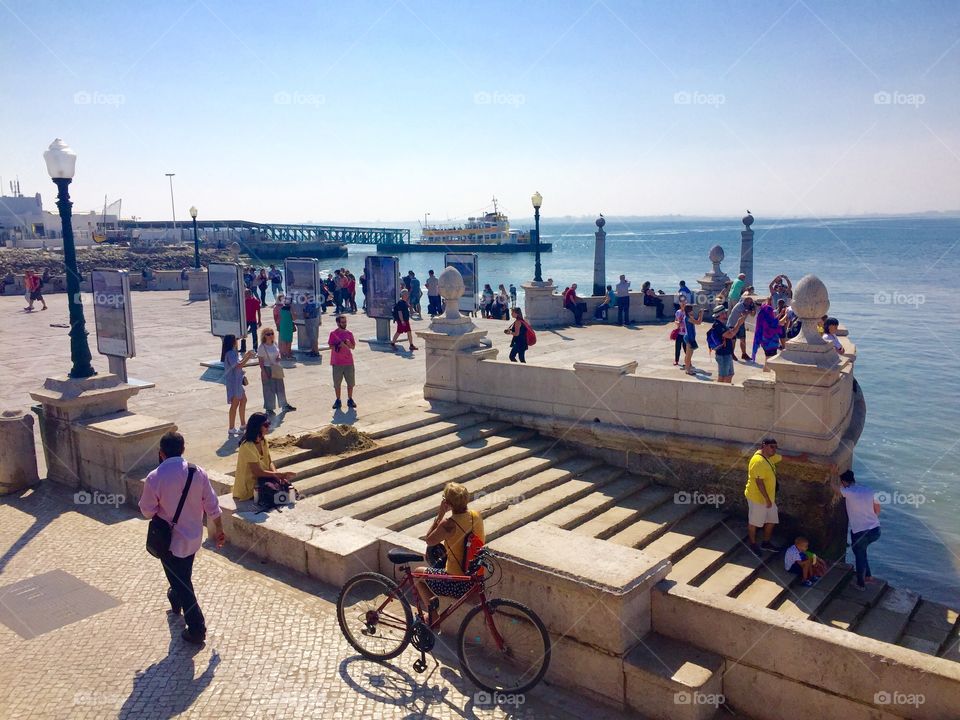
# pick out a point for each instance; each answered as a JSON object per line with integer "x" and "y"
{"x": 112, "y": 314}
{"x": 226, "y": 299}
{"x": 301, "y": 279}
{"x": 468, "y": 265}
{"x": 383, "y": 285}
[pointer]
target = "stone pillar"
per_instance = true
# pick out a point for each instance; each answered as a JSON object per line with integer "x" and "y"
{"x": 199, "y": 288}
{"x": 600, "y": 259}
{"x": 19, "y": 467}
{"x": 713, "y": 282}
{"x": 70, "y": 408}
{"x": 450, "y": 335}
{"x": 814, "y": 406}
{"x": 746, "y": 249}
{"x": 540, "y": 307}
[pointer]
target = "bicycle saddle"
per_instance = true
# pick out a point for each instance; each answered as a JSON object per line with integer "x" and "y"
{"x": 398, "y": 556}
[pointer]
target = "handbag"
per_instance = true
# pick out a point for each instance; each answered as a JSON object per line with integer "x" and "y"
{"x": 244, "y": 381}
{"x": 159, "y": 531}
{"x": 275, "y": 372}
{"x": 675, "y": 333}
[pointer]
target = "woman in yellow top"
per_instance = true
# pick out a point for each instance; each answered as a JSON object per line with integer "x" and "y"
{"x": 253, "y": 460}
{"x": 451, "y": 532}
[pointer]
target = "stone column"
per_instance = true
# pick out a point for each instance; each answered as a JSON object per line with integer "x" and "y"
{"x": 815, "y": 401}
{"x": 746, "y": 248}
{"x": 199, "y": 288}
{"x": 713, "y": 282}
{"x": 19, "y": 467}
{"x": 600, "y": 259}
{"x": 449, "y": 336}
{"x": 540, "y": 306}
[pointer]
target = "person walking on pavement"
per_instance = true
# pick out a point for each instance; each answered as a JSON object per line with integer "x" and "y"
{"x": 401, "y": 316}
{"x": 251, "y": 310}
{"x": 177, "y": 485}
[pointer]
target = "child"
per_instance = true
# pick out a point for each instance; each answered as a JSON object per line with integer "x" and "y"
{"x": 830, "y": 326}
{"x": 800, "y": 561}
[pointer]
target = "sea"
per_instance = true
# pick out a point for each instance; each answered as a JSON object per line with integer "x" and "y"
{"x": 892, "y": 282}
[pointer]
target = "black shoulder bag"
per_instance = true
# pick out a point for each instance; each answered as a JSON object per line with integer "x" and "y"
{"x": 159, "y": 531}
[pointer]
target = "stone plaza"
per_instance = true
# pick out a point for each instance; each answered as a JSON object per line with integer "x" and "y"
{"x": 575, "y": 462}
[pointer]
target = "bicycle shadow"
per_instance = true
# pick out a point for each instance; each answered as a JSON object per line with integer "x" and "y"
{"x": 385, "y": 683}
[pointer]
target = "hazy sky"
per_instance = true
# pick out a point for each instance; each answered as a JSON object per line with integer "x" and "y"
{"x": 341, "y": 111}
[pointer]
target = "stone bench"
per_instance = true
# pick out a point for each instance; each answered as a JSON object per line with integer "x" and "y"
{"x": 639, "y": 313}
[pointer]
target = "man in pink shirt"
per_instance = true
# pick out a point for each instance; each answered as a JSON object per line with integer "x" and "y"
{"x": 341, "y": 344}
{"x": 161, "y": 496}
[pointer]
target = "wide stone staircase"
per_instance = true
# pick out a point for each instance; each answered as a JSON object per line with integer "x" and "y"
{"x": 516, "y": 476}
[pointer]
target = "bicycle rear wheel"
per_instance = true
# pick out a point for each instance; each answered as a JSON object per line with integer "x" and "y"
{"x": 516, "y": 665}
{"x": 374, "y": 616}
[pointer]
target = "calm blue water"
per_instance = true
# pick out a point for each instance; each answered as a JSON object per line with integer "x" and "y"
{"x": 891, "y": 282}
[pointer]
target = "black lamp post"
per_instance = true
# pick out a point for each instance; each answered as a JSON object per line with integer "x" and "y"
{"x": 61, "y": 163}
{"x": 196, "y": 240}
{"x": 537, "y": 200}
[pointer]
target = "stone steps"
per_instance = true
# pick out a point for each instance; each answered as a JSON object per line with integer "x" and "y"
{"x": 732, "y": 574}
{"x": 805, "y": 602}
{"x": 930, "y": 628}
{"x": 708, "y": 553}
{"x": 653, "y": 524}
{"x": 530, "y": 509}
{"x": 625, "y": 512}
{"x": 392, "y": 425}
{"x": 769, "y": 585}
{"x": 887, "y": 620}
{"x": 407, "y": 432}
{"x": 433, "y": 483}
{"x": 413, "y": 512}
{"x": 389, "y": 456}
{"x": 351, "y": 484}
{"x": 681, "y": 537}
{"x": 508, "y": 495}
{"x": 581, "y": 510}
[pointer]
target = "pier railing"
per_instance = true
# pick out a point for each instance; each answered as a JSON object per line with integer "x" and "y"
{"x": 282, "y": 232}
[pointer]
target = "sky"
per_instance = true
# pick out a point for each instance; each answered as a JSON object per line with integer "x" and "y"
{"x": 385, "y": 110}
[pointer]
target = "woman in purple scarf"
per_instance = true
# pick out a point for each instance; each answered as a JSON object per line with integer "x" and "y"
{"x": 767, "y": 331}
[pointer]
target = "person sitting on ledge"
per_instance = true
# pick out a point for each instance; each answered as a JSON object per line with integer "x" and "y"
{"x": 830, "y": 326}
{"x": 574, "y": 304}
{"x": 603, "y": 309}
{"x": 651, "y": 299}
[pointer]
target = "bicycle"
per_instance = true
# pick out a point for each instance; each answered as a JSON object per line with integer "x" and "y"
{"x": 376, "y": 618}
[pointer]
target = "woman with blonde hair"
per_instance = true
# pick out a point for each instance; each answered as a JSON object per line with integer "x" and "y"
{"x": 452, "y": 532}
{"x": 271, "y": 374}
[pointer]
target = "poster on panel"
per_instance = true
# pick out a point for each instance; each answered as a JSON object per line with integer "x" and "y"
{"x": 468, "y": 266}
{"x": 112, "y": 313}
{"x": 301, "y": 280}
{"x": 383, "y": 285}
{"x": 226, "y": 299}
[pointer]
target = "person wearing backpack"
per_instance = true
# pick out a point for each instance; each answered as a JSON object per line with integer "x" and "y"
{"x": 462, "y": 537}
{"x": 720, "y": 339}
{"x": 176, "y": 495}
{"x": 522, "y": 334}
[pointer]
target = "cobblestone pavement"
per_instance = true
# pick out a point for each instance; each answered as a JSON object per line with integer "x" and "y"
{"x": 273, "y": 649}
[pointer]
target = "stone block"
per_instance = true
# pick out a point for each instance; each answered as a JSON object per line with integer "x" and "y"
{"x": 390, "y": 540}
{"x": 765, "y": 696}
{"x": 668, "y": 680}
{"x": 583, "y": 588}
{"x": 836, "y": 662}
{"x": 341, "y": 549}
{"x": 18, "y": 470}
{"x": 585, "y": 669}
{"x": 112, "y": 447}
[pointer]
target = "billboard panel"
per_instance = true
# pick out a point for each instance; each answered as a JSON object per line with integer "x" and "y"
{"x": 383, "y": 285}
{"x": 226, "y": 299}
{"x": 301, "y": 279}
{"x": 112, "y": 313}
{"x": 468, "y": 266}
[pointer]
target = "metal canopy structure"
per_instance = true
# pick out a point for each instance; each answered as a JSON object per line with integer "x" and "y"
{"x": 280, "y": 232}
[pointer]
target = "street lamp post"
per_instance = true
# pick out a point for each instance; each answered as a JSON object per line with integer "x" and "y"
{"x": 196, "y": 240}
{"x": 61, "y": 163}
{"x": 537, "y": 200}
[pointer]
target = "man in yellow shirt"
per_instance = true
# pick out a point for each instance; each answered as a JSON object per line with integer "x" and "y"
{"x": 761, "y": 493}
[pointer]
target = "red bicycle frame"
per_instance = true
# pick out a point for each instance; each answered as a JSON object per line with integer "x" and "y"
{"x": 476, "y": 589}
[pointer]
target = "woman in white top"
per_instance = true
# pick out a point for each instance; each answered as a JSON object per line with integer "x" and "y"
{"x": 271, "y": 374}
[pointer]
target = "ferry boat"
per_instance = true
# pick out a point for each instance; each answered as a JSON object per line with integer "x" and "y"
{"x": 491, "y": 228}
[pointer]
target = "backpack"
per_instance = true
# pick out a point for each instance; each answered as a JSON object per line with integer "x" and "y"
{"x": 472, "y": 545}
{"x": 714, "y": 339}
{"x": 531, "y": 335}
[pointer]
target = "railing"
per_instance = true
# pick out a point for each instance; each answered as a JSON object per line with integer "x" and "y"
{"x": 282, "y": 232}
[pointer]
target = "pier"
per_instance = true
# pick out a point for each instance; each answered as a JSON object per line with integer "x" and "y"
{"x": 280, "y": 232}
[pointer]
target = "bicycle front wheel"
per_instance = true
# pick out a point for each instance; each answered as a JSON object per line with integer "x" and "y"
{"x": 374, "y": 616}
{"x": 505, "y": 648}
